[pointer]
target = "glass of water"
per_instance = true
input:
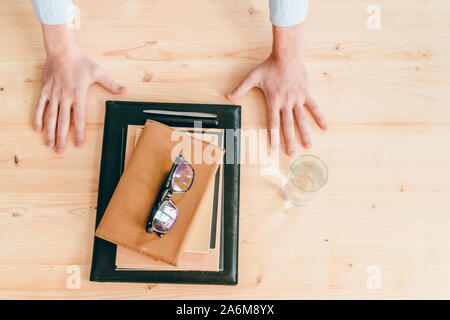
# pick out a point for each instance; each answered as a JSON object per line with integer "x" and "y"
{"x": 307, "y": 175}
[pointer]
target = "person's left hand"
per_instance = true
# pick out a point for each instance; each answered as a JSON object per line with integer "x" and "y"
{"x": 283, "y": 79}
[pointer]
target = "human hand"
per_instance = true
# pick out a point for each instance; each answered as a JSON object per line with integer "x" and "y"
{"x": 66, "y": 78}
{"x": 283, "y": 79}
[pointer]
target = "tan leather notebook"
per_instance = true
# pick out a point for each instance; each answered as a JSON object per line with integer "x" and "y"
{"x": 126, "y": 215}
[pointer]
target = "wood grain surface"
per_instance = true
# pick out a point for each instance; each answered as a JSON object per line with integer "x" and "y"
{"x": 384, "y": 92}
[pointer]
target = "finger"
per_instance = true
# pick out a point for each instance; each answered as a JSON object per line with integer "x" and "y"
{"x": 79, "y": 118}
{"x": 246, "y": 85}
{"x": 299, "y": 112}
{"x": 62, "y": 129}
{"x": 288, "y": 130}
{"x": 40, "y": 107}
{"x": 105, "y": 81}
{"x": 50, "y": 118}
{"x": 273, "y": 119}
{"x": 315, "y": 111}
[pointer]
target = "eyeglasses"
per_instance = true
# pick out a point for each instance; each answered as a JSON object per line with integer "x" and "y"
{"x": 164, "y": 212}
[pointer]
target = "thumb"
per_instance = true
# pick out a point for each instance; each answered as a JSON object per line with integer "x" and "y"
{"x": 109, "y": 84}
{"x": 246, "y": 85}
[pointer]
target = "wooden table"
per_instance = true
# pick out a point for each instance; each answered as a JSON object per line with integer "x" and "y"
{"x": 379, "y": 229}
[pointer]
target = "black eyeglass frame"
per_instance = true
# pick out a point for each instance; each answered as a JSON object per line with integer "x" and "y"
{"x": 165, "y": 194}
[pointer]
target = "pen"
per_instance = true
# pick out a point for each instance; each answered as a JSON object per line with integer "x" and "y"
{"x": 206, "y": 122}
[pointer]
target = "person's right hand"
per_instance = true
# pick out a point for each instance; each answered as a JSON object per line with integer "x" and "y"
{"x": 66, "y": 78}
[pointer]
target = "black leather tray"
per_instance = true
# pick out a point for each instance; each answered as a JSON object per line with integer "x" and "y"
{"x": 120, "y": 114}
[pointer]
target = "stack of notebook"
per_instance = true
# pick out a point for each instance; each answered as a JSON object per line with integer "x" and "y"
{"x": 202, "y": 247}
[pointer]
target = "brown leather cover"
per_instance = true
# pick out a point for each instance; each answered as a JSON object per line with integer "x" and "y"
{"x": 126, "y": 215}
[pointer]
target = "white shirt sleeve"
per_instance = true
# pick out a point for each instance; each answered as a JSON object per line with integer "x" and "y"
{"x": 53, "y": 11}
{"x": 285, "y": 13}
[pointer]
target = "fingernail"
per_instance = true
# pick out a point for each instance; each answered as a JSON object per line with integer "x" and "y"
{"x": 50, "y": 143}
{"x": 291, "y": 152}
{"x": 78, "y": 143}
{"x": 308, "y": 145}
{"x": 121, "y": 89}
{"x": 60, "y": 149}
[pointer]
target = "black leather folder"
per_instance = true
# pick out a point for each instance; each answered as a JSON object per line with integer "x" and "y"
{"x": 120, "y": 114}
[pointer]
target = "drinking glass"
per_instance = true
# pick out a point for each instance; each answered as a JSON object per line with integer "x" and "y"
{"x": 307, "y": 175}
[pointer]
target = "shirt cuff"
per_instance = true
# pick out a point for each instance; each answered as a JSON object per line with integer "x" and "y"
{"x": 286, "y": 13}
{"x": 53, "y": 11}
